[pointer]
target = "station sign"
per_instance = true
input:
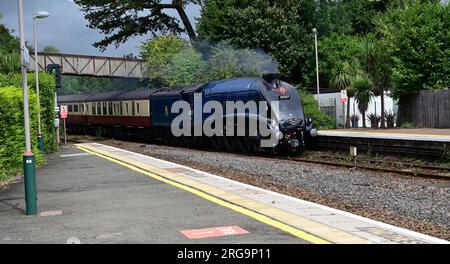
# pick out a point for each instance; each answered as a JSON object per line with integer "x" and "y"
{"x": 63, "y": 111}
{"x": 344, "y": 97}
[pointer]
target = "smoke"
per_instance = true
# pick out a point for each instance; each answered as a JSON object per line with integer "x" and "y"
{"x": 245, "y": 62}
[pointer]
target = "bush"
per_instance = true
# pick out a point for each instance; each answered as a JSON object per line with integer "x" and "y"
{"x": 9, "y": 63}
{"x": 311, "y": 108}
{"x": 12, "y": 131}
{"x": 407, "y": 125}
{"x": 47, "y": 102}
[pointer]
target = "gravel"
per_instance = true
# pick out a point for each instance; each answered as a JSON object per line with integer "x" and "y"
{"x": 415, "y": 203}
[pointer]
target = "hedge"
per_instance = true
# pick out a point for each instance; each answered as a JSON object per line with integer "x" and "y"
{"x": 11, "y": 121}
{"x": 47, "y": 101}
{"x": 311, "y": 108}
{"x": 12, "y": 131}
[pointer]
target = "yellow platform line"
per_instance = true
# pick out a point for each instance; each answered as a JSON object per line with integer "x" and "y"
{"x": 386, "y": 134}
{"x": 234, "y": 201}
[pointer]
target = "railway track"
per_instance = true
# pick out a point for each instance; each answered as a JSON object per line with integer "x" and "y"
{"x": 416, "y": 170}
{"x": 395, "y": 167}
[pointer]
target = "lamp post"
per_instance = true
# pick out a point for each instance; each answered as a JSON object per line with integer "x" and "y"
{"x": 38, "y": 15}
{"x": 29, "y": 168}
{"x": 317, "y": 65}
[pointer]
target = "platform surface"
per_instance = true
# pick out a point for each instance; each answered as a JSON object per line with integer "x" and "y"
{"x": 109, "y": 195}
{"x": 417, "y": 134}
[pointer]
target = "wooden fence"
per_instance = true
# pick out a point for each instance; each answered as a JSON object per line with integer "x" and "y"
{"x": 426, "y": 109}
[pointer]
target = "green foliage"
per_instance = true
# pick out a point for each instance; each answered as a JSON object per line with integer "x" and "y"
{"x": 159, "y": 52}
{"x": 337, "y": 53}
{"x": 419, "y": 41}
{"x": 50, "y": 49}
{"x": 407, "y": 125}
{"x": 88, "y": 84}
{"x": 280, "y": 28}
{"x": 12, "y": 131}
{"x": 8, "y": 43}
{"x": 172, "y": 62}
{"x": 374, "y": 120}
{"x": 311, "y": 109}
{"x": 364, "y": 94}
{"x": 120, "y": 20}
{"x": 9, "y": 63}
{"x": 364, "y": 91}
{"x": 186, "y": 67}
{"x": 47, "y": 103}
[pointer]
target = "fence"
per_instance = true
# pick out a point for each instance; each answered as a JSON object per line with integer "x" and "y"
{"x": 328, "y": 106}
{"x": 426, "y": 109}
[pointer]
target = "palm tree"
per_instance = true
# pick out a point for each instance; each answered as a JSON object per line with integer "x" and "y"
{"x": 364, "y": 94}
{"x": 342, "y": 80}
{"x": 373, "y": 53}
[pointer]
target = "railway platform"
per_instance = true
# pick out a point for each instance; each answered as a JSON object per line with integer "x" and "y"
{"x": 418, "y": 134}
{"x": 421, "y": 143}
{"x": 94, "y": 193}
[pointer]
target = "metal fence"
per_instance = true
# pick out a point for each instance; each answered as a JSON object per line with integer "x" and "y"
{"x": 328, "y": 106}
{"x": 426, "y": 109}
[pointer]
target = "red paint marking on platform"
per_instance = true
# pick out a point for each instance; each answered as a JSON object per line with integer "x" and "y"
{"x": 214, "y": 232}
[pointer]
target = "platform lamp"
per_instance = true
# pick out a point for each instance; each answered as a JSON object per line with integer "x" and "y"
{"x": 29, "y": 166}
{"x": 38, "y": 15}
{"x": 314, "y": 30}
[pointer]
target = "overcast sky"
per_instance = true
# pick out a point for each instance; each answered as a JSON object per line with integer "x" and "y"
{"x": 66, "y": 27}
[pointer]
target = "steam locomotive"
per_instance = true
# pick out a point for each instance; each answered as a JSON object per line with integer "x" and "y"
{"x": 152, "y": 115}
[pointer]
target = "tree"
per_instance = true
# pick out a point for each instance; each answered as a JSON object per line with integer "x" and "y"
{"x": 159, "y": 52}
{"x": 342, "y": 80}
{"x": 363, "y": 94}
{"x": 167, "y": 55}
{"x": 9, "y": 51}
{"x": 120, "y": 20}
{"x": 186, "y": 67}
{"x": 334, "y": 50}
{"x": 50, "y": 49}
{"x": 282, "y": 29}
{"x": 418, "y": 39}
{"x": 8, "y": 43}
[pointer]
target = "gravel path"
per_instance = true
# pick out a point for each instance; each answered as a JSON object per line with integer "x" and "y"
{"x": 415, "y": 203}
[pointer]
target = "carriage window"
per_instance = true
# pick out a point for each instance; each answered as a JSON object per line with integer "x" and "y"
{"x": 110, "y": 108}
{"x": 70, "y": 108}
{"x": 75, "y": 108}
{"x": 121, "y": 108}
{"x": 93, "y": 109}
{"x": 104, "y": 109}
{"x": 99, "y": 108}
{"x": 133, "y": 110}
{"x": 126, "y": 106}
{"x": 137, "y": 108}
